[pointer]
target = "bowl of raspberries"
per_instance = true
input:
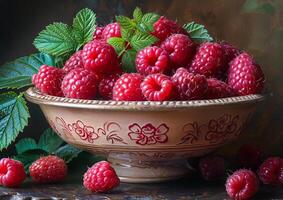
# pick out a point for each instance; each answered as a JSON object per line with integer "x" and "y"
{"x": 148, "y": 93}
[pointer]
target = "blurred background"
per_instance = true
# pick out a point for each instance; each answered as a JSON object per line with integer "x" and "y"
{"x": 253, "y": 25}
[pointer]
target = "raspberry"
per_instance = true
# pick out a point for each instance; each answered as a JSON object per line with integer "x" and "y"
{"x": 152, "y": 60}
{"x": 12, "y": 172}
{"x": 218, "y": 89}
{"x": 127, "y": 88}
{"x": 48, "y": 169}
{"x": 249, "y": 156}
{"x": 48, "y": 80}
{"x": 100, "y": 57}
{"x": 271, "y": 171}
{"x": 180, "y": 48}
{"x": 242, "y": 184}
{"x": 212, "y": 168}
{"x": 75, "y": 61}
{"x": 106, "y": 86}
{"x": 207, "y": 60}
{"x": 157, "y": 87}
{"x": 80, "y": 84}
{"x": 111, "y": 30}
{"x": 101, "y": 177}
{"x": 190, "y": 86}
{"x": 245, "y": 76}
{"x": 229, "y": 52}
{"x": 164, "y": 27}
{"x": 98, "y": 33}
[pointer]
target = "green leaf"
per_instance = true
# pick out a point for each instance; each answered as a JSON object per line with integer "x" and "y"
{"x": 141, "y": 40}
{"x": 18, "y": 73}
{"x": 14, "y": 119}
{"x": 25, "y": 144}
{"x": 67, "y": 152}
{"x": 128, "y": 61}
{"x": 84, "y": 26}
{"x": 117, "y": 43}
{"x": 56, "y": 39}
{"x": 257, "y": 6}
{"x": 125, "y": 22}
{"x": 127, "y": 34}
{"x": 49, "y": 141}
{"x": 137, "y": 14}
{"x": 197, "y": 32}
{"x": 149, "y": 19}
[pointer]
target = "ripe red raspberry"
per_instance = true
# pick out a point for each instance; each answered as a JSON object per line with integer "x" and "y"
{"x": 111, "y": 30}
{"x": 98, "y": 33}
{"x": 212, "y": 168}
{"x": 127, "y": 88}
{"x": 229, "y": 52}
{"x": 218, "y": 89}
{"x": 48, "y": 80}
{"x": 48, "y": 169}
{"x": 180, "y": 49}
{"x": 152, "y": 60}
{"x": 75, "y": 61}
{"x": 106, "y": 86}
{"x": 249, "y": 156}
{"x": 245, "y": 76}
{"x": 100, "y": 57}
{"x": 242, "y": 184}
{"x": 207, "y": 60}
{"x": 101, "y": 177}
{"x": 12, "y": 172}
{"x": 157, "y": 87}
{"x": 190, "y": 86}
{"x": 164, "y": 27}
{"x": 271, "y": 171}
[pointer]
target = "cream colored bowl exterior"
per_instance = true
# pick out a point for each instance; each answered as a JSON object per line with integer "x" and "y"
{"x": 147, "y": 141}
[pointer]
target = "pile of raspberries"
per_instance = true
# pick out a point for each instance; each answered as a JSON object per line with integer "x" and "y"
{"x": 174, "y": 68}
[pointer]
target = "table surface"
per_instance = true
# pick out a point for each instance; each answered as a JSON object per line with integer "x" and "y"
{"x": 177, "y": 190}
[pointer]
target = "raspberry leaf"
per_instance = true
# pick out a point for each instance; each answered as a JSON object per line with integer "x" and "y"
{"x": 141, "y": 40}
{"x": 18, "y": 73}
{"x": 149, "y": 19}
{"x": 84, "y": 26}
{"x": 49, "y": 141}
{"x": 25, "y": 144}
{"x": 128, "y": 61}
{"x": 14, "y": 117}
{"x": 126, "y": 22}
{"x": 67, "y": 152}
{"x": 197, "y": 32}
{"x": 137, "y": 14}
{"x": 117, "y": 43}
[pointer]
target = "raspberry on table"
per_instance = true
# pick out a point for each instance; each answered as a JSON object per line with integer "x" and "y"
{"x": 98, "y": 32}
{"x": 48, "y": 169}
{"x": 271, "y": 171}
{"x": 127, "y": 88}
{"x": 212, "y": 168}
{"x": 157, "y": 87}
{"x": 218, "y": 89}
{"x": 152, "y": 60}
{"x": 180, "y": 49}
{"x": 101, "y": 177}
{"x": 111, "y": 30}
{"x": 48, "y": 80}
{"x": 12, "y": 172}
{"x": 100, "y": 57}
{"x": 75, "y": 61}
{"x": 229, "y": 52}
{"x": 242, "y": 184}
{"x": 190, "y": 86}
{"x": 80, "y": 84}
{"x": 207, "y": 60}
{"x": 245, "y": 75}
{"x": 106, "y": 85}
{"x": 249, "y": 156}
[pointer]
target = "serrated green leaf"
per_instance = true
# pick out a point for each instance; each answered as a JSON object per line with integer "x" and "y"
{"x": 56, "y": 39}
{"x": 141, "y": 40}
{"x": 117, "y": 43}
{"x": 137, "y": 14}
{"x": 126, "y": 34}
{"x": 25, "y": 144}
{"x": 49, "y": 141}
{"x": 67, "y": 152}
{"x": 128, "y": 61}
{"x": 197, "y": 32}
{"x": 14, "y": 119}
{"x": 18, "y": 73}
{"x": 125, "y": 22}
{"x": 149, "y": 19}
{"x": 84, "y": 26}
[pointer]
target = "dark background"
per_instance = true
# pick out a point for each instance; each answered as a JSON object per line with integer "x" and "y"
{"x": 253, "y": 25}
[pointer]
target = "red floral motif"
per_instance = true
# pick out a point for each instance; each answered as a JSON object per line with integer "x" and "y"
{"x": 192, "y": 131}
{"x": 148, "y": 134}
{"x": 85, "y": 132}
{"x": 111, "y": 130}
{"x": 66, "y": 128}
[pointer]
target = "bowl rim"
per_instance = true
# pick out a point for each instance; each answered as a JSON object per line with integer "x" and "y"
{"x": 35, "y": 96}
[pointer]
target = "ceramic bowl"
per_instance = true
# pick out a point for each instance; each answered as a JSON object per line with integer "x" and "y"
{"x": 147, "y": 141}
